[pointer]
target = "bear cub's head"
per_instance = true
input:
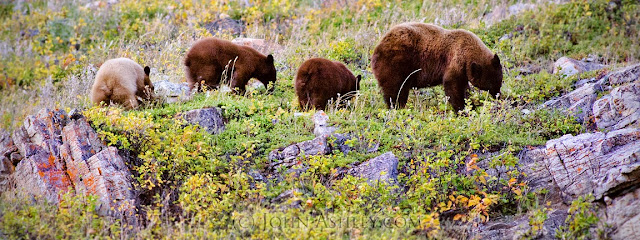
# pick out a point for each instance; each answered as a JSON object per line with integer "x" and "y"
{"x": 267, "y": 74}
{"x": 487, "y": 75}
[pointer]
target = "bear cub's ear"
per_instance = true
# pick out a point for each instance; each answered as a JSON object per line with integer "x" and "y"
{"x": 270, "y": 59}
{"x": 147, "y": 70}
{"x": 358, "y": 78}
{"x": 495, "y": 61}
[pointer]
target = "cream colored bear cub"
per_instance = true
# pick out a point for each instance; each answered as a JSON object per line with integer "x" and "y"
{"x": 121, "y": 81}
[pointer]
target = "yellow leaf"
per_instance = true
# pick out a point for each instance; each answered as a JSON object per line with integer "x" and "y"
{"x": 512, "y": 181}
{"x": 457, "y": 217}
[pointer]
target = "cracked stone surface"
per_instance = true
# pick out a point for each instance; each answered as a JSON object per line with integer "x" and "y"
{"x": 619, "y": 109}
{"x": 208, "y": 118}
{"x": 577, "y": 102}
{"x": 59, "y": 154}
{"x": 577, "y": 162}
{"x": 383, "y": 168}
{"x": 287, "y": 156}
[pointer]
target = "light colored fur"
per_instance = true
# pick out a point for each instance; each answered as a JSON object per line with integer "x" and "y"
{"x": 119, "y": 81}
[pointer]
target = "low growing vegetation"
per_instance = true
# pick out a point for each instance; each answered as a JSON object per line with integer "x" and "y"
{"x": 193, "y": 184}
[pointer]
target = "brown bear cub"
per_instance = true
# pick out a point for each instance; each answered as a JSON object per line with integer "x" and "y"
{"x": 210, "y": 59}
{"x": 121, "y": 81}
{"x": 319, "y": 80}
{"x": 418, "y": 55}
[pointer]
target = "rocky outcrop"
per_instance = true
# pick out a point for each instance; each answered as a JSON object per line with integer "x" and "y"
{"x": 519, "y": 228}
{"x": 577, "y": 102}
{"x": 61, "y": 153}
{"x": 383, "y": 168}
{"x": 568, "y": 66}
{"x": 584, "y": 164}
{"x": 603, "y": 164}
{"x": 624, "y": 75}
{"x": 9, "y": 156}
{"x": 210, "y": 119}
{"x": 622, "y": 216}
{"x": 619, "y": 109}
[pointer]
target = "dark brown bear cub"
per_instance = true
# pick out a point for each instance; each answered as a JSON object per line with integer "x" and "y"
{"x": 210, "y": 58}
{"x": 418, "y": 55}
{"x": 319, "y": 80}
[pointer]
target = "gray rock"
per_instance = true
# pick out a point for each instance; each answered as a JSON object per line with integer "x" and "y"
{"x": 537, "y": 176}
{"x": 578, "y": 102}
{"x": 322, "y": 128}
{"x": 617, "y": 179}
{"x": 289, "y": 199}
{"x": 63, "y": 154}
{"x": 519, "y": 228}
{"x": 383, "y": 168}
{"x": 286, "y": 156}
{"x": 208, "y": 118}
{"x": 171, "y": 92}
{"x": 622, "y": 216}
{"x": 619, "y": 109}
{"x": 625, "y": 75}
{"x": 7, "y": 149}
{"x": 568, "y": 66}
{"x": 578, "y": 164}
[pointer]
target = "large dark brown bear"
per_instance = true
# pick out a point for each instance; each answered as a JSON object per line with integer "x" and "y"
{"x": 209, "y": 58}
{"x": 122, "y": 81}
{"x": 418, "y": 55}
{"x": 319, "y": 80}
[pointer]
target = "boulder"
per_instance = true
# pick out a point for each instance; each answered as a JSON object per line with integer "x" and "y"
{"x": 577, "y": 102}
{"x": 261, "y": 45}
{"x": 618, "y": 109}
{"x": 622, "y": 216}
{"x": 171, "y": 92}
{"x": 383, "y": 168}
{"x": 624, "y": 75}
{"x": 591, "y": 163}
{"x": 210, "y": 119}
{"x": 568, "y": 66}
{"x": 61, "y": 154}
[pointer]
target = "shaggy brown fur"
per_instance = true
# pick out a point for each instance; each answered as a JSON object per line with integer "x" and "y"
{"x": 121, "y": 81}
{"x": 319, "y": 80}
{"x": 418, "y": 55}
{"x": 209, "y": 58}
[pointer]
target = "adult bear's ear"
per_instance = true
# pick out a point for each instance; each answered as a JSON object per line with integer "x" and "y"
{"x": 147, "y": 70}
{"x": 476, "y": 70}
{"x": 187, "y": 62}
{"x": 270, "y": 59}
{"x": 495, "y": 61}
